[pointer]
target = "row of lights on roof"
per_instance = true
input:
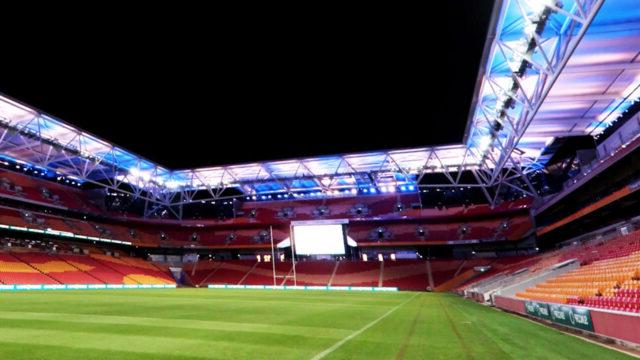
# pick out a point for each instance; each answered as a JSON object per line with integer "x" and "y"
{"x": 618, "y": 114}
{"x": 67, "y": 181}
{"x": 451, "y": 189}
{"x": 35, "y": 171}
{"x": 230, "y": 202}
{"x": 317, "y": 194}
{"x": 119, "y": 194}
{"x": 27, "y": 169}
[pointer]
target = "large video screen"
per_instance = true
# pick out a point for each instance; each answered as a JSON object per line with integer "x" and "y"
{"x": 319, "y": 239}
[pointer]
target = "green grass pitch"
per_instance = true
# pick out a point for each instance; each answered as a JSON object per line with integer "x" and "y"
{"x": 269, "y": 324}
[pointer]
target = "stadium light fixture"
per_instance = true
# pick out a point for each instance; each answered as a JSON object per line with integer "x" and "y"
{"x": 484, "y": 143}
{"x": 172, "y": 184}
{"x": 539, "y": 6}
{"x": 530, "y": 29}
{"x": 135, "y": 172}
{"x": 520, "y": 49}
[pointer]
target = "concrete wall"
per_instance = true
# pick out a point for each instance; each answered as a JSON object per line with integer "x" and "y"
{"x": 520, "y": 286}
{"x": 611, "y": 324}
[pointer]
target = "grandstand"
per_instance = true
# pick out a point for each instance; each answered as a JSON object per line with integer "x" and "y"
{"x": 522, "y": 241}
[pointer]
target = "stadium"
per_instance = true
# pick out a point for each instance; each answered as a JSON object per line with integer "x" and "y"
{"x": 520, "y": 240}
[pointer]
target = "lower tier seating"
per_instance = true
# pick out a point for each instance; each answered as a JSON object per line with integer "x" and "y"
{"x": 404, "y": 274}
{"x": 610, "y": 283}
{"x": 56, "y": 268}
{"x": 314, "y": 273}
{"x": 134, "y": 271}
{"x": 231, "y": 272}
{"x": 608, "y": 276}
{"x": 38, "y": 268}
{"x": 357, "y": 273}
{"x": 13, "y": 271}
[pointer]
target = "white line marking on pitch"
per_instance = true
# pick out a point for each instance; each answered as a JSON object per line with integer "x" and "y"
{"x": 363, "y": 329}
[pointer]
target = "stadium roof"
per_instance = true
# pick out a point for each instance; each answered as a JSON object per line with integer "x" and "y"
{"x": 575, "y": 84}
{"x": 550, "y": 69}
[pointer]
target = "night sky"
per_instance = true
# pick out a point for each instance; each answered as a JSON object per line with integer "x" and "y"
{"x": 238, "y": 87}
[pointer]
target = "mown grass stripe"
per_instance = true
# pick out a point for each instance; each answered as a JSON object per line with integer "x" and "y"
{"x": 405, "y": 344}
{"x": 175, "y": 323}
{"x": 337, "y": 345}
{"x": 211, "y": 349}
{"x": 181, "y": 300}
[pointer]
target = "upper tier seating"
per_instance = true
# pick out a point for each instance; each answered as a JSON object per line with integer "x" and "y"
{"x": 245, "y": 233}
{"x": 22, "y": 186}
